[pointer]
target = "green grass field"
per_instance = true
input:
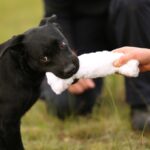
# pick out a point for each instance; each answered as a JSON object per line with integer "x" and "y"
{"x": 107, "y": 128}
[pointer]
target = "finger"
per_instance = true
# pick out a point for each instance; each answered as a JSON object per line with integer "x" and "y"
{"x": 90, "y": 83}
{"x": 75, "y": 89}
{"x": 81, "y": 86}
{"x": 87, "y": 83}
{"x": 144, "y": 68}
{"x": 78, "y": 87}
{"x": 120, "y": 50}
{"x": 122, "y": 60}
{"x": 83, "y": 83}
{"x": 124, "y": 50}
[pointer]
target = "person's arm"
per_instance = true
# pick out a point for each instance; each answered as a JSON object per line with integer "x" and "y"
{"x": 140, "y": 54}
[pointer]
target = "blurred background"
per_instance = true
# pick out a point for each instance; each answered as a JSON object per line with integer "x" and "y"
{"x": 17, "y": 16}
{"x": 107, "y": 128}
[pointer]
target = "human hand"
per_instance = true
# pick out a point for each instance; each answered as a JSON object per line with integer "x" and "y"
{"x": 81, "y": 85}
{"x": 140, "y": 54}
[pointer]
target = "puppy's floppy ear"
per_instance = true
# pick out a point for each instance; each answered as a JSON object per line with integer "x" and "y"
{"x": 57, "y": 26}
{"x": 48, "y": 20}
{"x": 14, "y": 43}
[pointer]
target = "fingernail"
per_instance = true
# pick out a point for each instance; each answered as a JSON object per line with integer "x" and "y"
{"x": 92, "y": 84}
{"x": 116, "y": 63}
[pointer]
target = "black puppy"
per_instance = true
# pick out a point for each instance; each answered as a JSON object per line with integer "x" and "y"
{"x": 24, "y": 59}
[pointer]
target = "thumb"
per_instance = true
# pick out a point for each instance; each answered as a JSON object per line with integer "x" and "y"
{"x": 121, "y": 61}
{"x": 144, "y": 68}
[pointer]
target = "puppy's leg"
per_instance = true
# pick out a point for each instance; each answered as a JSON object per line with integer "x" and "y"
{"x": 10, "y": 135}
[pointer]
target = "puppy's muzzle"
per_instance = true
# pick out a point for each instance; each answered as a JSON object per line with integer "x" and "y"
{"x": 71, "y": 68}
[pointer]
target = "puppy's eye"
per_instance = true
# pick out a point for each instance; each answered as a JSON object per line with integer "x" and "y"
{"x": 44, "y": 59}
{"x": 62, "y": 45}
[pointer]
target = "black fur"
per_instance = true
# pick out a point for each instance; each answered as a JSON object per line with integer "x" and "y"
{"x": 24, "y": 59}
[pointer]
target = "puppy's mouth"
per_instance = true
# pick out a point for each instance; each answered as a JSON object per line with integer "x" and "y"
{"x": 69, "y": 73}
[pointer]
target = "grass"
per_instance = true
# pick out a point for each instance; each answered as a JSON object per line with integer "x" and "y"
{"x": 107, "y": 128}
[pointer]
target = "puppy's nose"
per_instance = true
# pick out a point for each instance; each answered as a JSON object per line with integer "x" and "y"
{"x": 70, "y": 69}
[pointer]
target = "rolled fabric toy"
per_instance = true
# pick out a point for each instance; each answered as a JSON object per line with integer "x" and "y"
{"x": 93, "y": 65}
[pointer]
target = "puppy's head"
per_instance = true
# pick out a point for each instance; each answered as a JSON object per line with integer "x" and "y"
{"x": 47, "y": 50}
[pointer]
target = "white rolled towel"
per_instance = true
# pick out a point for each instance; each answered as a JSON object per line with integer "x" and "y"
{"x": 93, "y": 65}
